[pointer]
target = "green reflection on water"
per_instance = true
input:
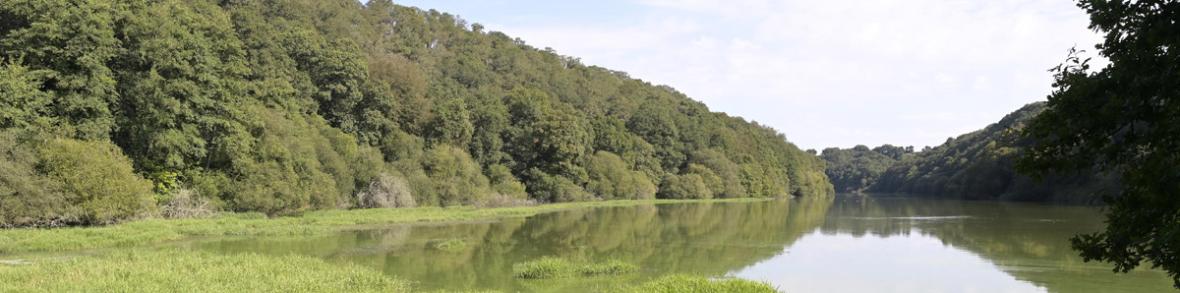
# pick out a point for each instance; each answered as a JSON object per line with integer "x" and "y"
{"x": 1026, "y": 241}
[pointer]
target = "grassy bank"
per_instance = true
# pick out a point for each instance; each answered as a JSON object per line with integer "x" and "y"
{"x": 171, "y": 270}
{"x": 187, "y": 271}
{"x": 157, "y": 230}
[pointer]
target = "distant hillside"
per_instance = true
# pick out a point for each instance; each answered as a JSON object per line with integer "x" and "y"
{"x": 855, "y": 170}
{"x": 111, "y": 110}
{"x": 981, "y": 165}
{"x": 977, "y": 165}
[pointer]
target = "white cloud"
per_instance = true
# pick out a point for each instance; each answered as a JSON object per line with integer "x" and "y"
{"x": 840, "y": 73}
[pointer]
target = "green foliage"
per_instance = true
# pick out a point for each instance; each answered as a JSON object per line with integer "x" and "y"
{"x": 67, "y": 181}
{"x": 688, "y": 186}
{"x": 455, "y": 177}
{"x": 727, "y": 173}
{"x": 982, "y": 165}
{"x": 550, "y": 188}
{"x": 1121, "y": 118}
{"x": 27, "y": 196}
{"x": 858, "y": 168}
{"x": 98, "y": 178}
{"x": 504, "y": 183}
{"x": 451, "y": 124}
{"x": 291, "y": 106}
{"x": 610, "y": 178}
{"x": 22, "y": 103}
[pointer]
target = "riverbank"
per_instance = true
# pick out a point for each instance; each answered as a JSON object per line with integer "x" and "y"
{"x": 123, "y": 259}
{"x": 151, "y": 231}
{"x": 171, "y": 270}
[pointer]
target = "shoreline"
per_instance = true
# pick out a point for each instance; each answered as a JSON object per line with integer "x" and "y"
{"x": 152, "y": 231}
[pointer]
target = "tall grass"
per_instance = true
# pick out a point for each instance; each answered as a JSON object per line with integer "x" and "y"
{"x": 186, "y": 271}
{"x": 159, "y": 230}
{"x": 693, "y": 284}
{"x": 552, "y": 268}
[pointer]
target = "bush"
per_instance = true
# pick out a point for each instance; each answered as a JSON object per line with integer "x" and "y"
{"x": 386, "y": 191}
{"x": 726, "y": 170}
{"x": 713, "y": 182}
{"x": 97, "y": 178}
{"x": 187, "y": 204}
{"x": 505, "y": 184}
{"x": 549, "y": 188}
{"x": 688, "y": 186}
{"x": 455, "y": 176}
{"x": 27, "y": 198}
{"x": 611, "y": 179}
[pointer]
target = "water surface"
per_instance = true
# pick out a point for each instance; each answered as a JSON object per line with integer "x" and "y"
{"x": 850, "y": 244}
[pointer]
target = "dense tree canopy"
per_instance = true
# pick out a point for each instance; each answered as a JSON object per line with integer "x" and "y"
{"x": 1123, "y": 118}
{"x": 982, "y": 165}
{"x": 288, "y": 106}
{"x": 976, "y": 165}
{"x": 858, "y": 168}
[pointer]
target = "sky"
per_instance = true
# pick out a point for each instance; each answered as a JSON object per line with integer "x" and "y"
{"x": 824, "y": 73}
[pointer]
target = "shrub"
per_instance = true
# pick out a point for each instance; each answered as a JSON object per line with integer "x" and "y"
{"x": 688, "y": 186}
{"x": 97, "y": 178}
{"x": 610, "y": 178}
{"x": 713, "y": 182}
{"x": 455, "y": 176}
{"x": 505, "y": 184}
{"x": 187, "y": 204}
{"x": 549, "y": 188}
{"x": 386, "y": 191}
{"x": 27, "y": 198}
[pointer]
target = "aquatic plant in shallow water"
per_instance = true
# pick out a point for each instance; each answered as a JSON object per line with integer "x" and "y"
{"x": 552, "y": 267}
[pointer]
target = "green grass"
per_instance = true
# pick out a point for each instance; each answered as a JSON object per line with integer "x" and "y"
{"x": 692, "y": 284}
{"x": 174, "y": 270}
{"x": 450, "y": 245}
{"x": 170, "y": 270}
{"x": 552, "y": 268}
{"x": 186, "y": 271}
{"x": 253, "y": 224}
{"x": 609, "y": 268}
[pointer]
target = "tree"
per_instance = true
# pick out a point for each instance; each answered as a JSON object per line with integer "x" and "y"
{"x": 610, "y": 178}
{"x": 283, "y": 107}
{"x": 1124, "y": 118}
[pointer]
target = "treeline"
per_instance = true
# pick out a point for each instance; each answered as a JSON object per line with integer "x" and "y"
{"x": 855, "y": 170}
{"x": 977, "y": 165}
{"x": 112, "y": 110}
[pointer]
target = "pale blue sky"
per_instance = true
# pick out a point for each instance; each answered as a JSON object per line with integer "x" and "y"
{"x": 825, "y": 73}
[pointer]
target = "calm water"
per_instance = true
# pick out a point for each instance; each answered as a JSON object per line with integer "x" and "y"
{"x": 850, "y": 244}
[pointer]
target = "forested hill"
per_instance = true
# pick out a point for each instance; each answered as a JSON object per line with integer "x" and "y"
{"x": 981, "y": 164}
{"x": 113, "y": 110}
{"x": 977, "y": 165}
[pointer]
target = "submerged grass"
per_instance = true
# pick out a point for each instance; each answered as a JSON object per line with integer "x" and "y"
{"x": 693, "y": 284}
{"x": 552, "y": 268}
{"x": 450, "y": 245}
{"x": 253, "y": 224}
{"x": 187, "y": 271}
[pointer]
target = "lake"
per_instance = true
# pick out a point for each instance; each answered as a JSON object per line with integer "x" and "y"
{"x": 847, "y": 244}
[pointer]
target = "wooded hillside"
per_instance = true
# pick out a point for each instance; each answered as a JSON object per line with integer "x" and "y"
{"x": 113, "y": 110}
